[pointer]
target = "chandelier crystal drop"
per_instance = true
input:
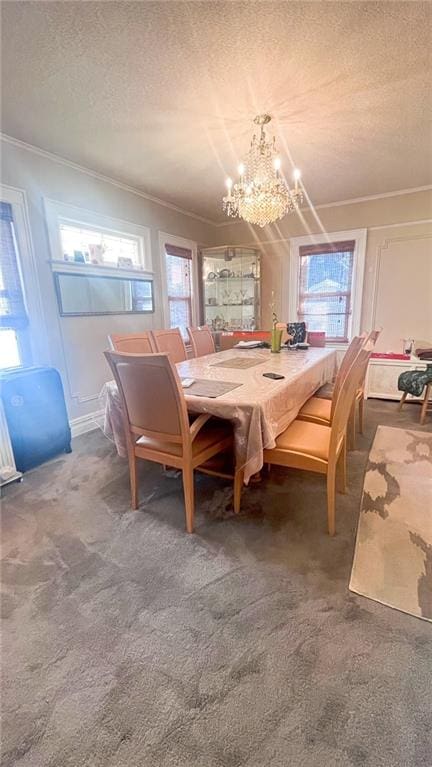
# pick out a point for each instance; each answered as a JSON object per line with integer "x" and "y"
{"x": 261, "y": 196}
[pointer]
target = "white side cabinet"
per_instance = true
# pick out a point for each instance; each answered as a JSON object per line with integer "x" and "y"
{"x": 382, "y": 377}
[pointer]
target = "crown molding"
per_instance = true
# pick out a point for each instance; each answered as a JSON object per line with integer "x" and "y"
{"x": 351, "y": 201}
{"x": 217, "y": 224}
{"x": 283, "y": 240}
{"x": 101, "y": 177}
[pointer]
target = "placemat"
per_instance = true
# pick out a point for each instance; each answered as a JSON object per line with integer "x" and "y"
{"x": 208, "y": 388}
{"x": 241, "y": 363}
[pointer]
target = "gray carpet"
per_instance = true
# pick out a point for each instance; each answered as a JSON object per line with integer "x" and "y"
{"x": 128, "y": 643}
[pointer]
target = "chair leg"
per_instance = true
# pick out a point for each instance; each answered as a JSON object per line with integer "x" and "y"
{"x": 352, "y": 428}
{"x": 361, "y": 414}
{"x": 133, "y": 474}
{"x": 238, "y": 486}
{"x": 425, "y": 404}
{"x": 189, "y": 497}
{"x": 402, "y": 400}
{"x": 331, "y": 482}
{"x": 341, "y": 469}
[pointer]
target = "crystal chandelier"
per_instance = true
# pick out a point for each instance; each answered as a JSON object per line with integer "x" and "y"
{"x": 261, "y": 196}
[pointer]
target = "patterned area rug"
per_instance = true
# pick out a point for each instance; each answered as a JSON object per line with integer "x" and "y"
{"x": 393, "y": 554}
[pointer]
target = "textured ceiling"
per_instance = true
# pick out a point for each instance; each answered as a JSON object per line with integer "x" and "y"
{"x": 161, "y": 94}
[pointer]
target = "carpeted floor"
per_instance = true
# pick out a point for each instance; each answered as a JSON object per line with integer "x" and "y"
{"x": 128, "y": 643}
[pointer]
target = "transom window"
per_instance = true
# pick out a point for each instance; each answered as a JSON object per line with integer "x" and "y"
{"x": 325, "y": 286}
{"x": 98, "y": 246}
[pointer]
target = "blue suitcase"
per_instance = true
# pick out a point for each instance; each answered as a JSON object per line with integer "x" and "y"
{"x": 35, "y": 410}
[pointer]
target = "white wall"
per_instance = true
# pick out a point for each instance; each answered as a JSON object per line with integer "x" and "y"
{"x": 397, "y": 292}
{"x": 74, "y": 345}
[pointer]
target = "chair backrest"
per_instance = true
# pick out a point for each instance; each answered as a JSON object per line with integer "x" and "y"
{"x": 374, "y": 335}
{"x": 133, "y": 343}
{"x": 344, "y": 367}
{"x": 201, "y": 341}
{"x": 371, "y": 340}
{"x": 346, "y": 395}
{"x": 153, "y": 402}
{"x": 170, "y": 342}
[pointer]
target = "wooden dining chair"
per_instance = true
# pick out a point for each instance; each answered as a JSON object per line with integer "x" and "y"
{"x": 157, "y": 428}
{"x": 134, "y": 343}
{"x": 318, "y": 412}
{"x": 319, "y": 409}
{"x": 322, "y": 449}
{"x": 201, "y": 341}
{"x": 360, "y": 394}
{"x": 170, "y": 342}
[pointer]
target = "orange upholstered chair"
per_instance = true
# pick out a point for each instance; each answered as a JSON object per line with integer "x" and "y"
{"x": 360, "y": 394}
{"x": 320, "y": 409}
{"x": 170, "y": 342}
{"x": 201, "y": 341}
{"x": 318, "y": 448}
{"x": 161, "y": 432}
{"x": 134, "y": 343}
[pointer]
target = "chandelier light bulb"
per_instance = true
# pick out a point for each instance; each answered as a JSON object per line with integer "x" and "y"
{"x": 277, "y": 163}
{"x": 229, "y": 184}
{"x": 241, "y": 169}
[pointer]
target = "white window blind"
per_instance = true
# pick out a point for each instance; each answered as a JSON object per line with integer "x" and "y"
{"x": 179, "y": 287}
{"x": 325, "y": 286}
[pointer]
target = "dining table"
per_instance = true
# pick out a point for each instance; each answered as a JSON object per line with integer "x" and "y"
{"x": 232, "y": 385}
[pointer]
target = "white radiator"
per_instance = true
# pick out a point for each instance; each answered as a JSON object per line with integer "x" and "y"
{"x": 8, "y": 472}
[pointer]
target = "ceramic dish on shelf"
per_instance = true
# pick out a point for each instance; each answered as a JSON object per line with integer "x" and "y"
{"x": 225, "y": 273}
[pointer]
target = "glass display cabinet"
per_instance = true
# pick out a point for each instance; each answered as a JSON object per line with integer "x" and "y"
{"x": 230, "y": 294}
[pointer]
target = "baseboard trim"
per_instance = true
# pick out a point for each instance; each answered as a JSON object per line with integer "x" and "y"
{"x": 85, "y": 423}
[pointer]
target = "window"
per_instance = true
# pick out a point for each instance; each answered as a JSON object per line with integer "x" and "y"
{"x": 322, "y": 283}
{"x": 325, "y": 280}
{"x": 179, "y": 287}
{"x": 98, "y": 246}
{"x": 13, "y": 314}
{"x": 84, "y": 236}
{"x": 9, "y": 349}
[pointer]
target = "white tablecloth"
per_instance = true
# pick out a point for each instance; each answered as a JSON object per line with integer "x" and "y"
{"x": 259, "y": 409}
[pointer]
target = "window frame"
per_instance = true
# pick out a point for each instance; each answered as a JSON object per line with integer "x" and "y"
{"x": 181, "y": 242}
{"x": 30, "y": 340}
{"x": 291, "y": 274}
